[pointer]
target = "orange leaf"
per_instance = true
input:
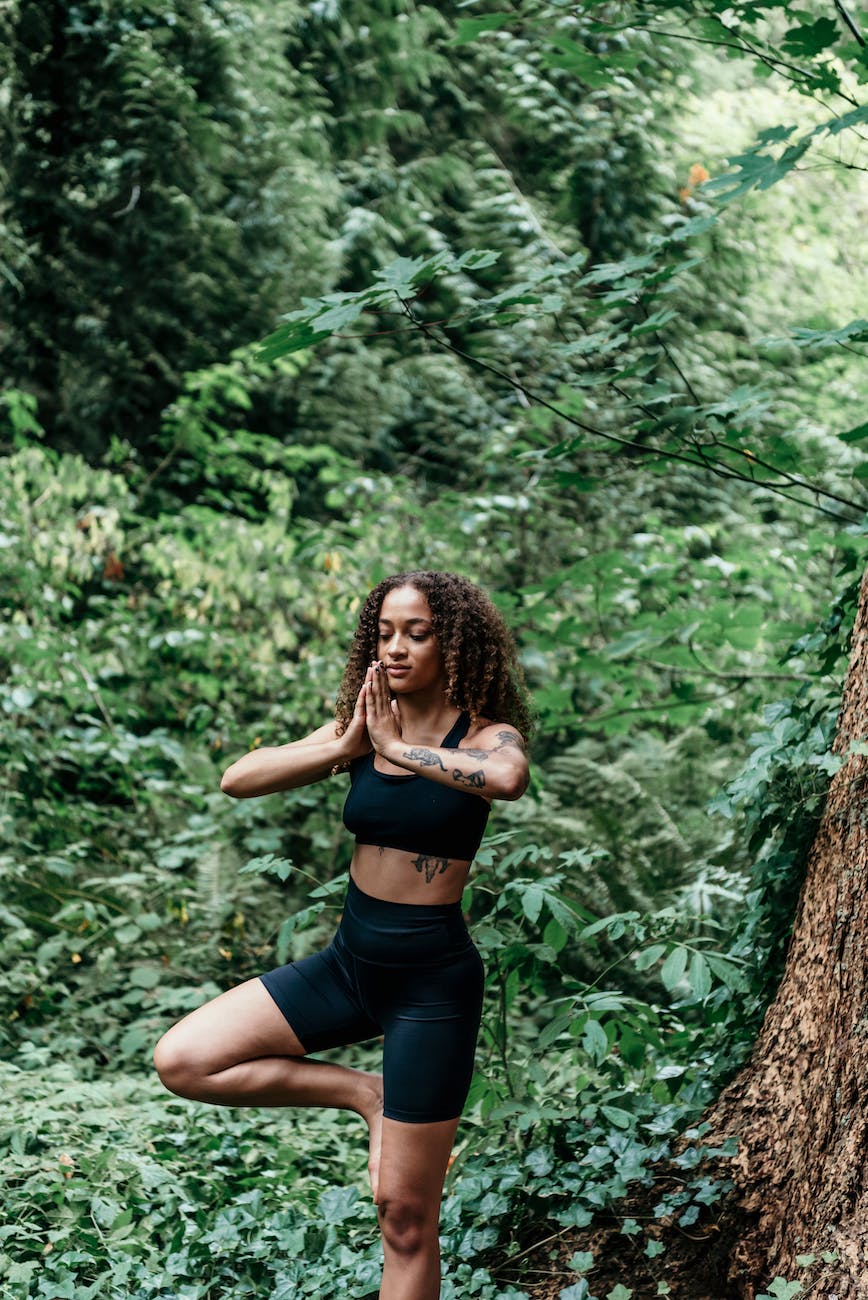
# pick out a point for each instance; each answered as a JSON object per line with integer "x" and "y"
{"x": 114, "y": 569}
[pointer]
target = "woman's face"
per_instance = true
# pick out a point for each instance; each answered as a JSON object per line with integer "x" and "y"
{"x": 406, "y": 643}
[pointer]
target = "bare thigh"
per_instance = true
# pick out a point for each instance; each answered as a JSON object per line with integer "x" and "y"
{"x": 239, "y": 1025}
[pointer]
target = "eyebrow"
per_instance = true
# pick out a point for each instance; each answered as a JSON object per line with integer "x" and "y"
{"x": 408, "y": 621}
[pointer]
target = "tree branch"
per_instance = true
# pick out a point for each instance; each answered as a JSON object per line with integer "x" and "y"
{"x": 701, "y": 461}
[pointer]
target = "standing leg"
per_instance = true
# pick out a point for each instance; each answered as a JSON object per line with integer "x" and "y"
{"x": 239, "y": 1050}
{"x": 412, "y": 1169}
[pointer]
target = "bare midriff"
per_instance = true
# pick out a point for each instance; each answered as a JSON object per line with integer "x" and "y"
{"x": 401, "y": 877}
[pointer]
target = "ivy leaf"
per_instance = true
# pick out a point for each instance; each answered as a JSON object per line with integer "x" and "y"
{"x": 578, "y": 1291}
{"x": 621, "y": 1119}
{"x": 338, "y": 1204}
{"x": 781, "y": 1289}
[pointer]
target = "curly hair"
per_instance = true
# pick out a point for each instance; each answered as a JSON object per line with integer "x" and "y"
{"x": 483, "y": 674}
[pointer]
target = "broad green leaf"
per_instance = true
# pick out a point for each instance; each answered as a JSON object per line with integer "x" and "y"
{"x": 269, "y": 864}
{"x": 620, "y": 1118}
{"x": 855, "y": 435}
{"x": 553, "y": 1030}
{"x": 674, "y": 967}
{"x": 810, "y": 38}
{"x": 648, "y": 956}
{"x": 595, "y": 1041}
{"x": 532, "y": 901}
{"x": 292, "y": 337}
{"x": 699, "y": 976}
{"x": 555, "y": 935}
{"x": 338, "y": 317}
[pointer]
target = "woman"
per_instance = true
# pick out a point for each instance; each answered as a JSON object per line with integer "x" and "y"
{"x": 431, "y": 719}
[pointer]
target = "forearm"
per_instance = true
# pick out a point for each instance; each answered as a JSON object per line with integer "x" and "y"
{"x": 281, "y": 767}
{"x": 481, "y": 771}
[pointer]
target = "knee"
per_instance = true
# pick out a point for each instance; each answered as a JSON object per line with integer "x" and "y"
{"x": 406, "y": 1224}
{"x": 174, "y": 1066}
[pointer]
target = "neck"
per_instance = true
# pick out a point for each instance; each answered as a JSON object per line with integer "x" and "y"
{"x": 426, "y": 714}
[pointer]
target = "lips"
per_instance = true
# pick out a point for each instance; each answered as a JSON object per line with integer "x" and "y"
{"x": 396, "y": 671}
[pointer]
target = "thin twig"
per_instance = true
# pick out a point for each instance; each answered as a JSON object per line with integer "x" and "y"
{"x": 94, "y": 690}
{"x": 701, "y": 462}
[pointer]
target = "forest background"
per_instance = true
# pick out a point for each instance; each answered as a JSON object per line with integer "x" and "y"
{"x": 570, "y": 305}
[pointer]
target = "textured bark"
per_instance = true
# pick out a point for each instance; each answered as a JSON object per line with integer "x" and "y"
{"x": 799, "y": 1104}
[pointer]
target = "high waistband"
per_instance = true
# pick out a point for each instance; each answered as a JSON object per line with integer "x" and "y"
{"x": 379, "y": 932}
{"x": 367, "y": 905}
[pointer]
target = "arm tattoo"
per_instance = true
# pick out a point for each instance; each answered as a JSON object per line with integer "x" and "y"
{"x": 425, "y": 757}
{"x": 430, "y": 866}
{"x": 508, "y": 738}
{"x": 481, "y": 754}
{"x": 476, "y": 779}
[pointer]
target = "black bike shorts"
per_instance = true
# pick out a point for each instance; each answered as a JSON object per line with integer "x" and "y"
{"x": 409, "y": 972}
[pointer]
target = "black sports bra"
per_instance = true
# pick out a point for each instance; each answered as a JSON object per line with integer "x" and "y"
{"x": 413, "y": 812}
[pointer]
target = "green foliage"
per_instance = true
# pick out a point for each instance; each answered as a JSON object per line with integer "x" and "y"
{"x": 146, "y": 200}
{"x": 521, "y": 342}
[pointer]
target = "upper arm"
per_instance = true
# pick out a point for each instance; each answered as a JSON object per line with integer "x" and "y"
{"x": 328, "y": 731}
{"x": 507, "y": 741}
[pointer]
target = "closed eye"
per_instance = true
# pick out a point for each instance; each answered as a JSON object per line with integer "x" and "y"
{"x": 385, "y": 636}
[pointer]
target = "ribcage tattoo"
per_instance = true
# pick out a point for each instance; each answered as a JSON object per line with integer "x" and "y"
{"x": 429, "y": 866}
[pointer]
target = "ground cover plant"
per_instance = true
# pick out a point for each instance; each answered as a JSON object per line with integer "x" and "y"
{"x": 526, "y": 336}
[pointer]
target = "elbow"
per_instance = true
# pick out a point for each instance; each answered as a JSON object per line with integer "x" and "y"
{"x": 229, "y": 784}
{"x": 515, "y": 785}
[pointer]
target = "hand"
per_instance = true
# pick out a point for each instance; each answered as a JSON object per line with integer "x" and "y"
{"x": 355, "y": 741}
{"x": 383, "y": 713}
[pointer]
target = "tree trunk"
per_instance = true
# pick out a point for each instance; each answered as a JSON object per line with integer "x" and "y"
{"x": 798, "y": 1106}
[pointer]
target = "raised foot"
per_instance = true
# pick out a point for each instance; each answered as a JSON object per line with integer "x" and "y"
{"x": 373, "y": 1114}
